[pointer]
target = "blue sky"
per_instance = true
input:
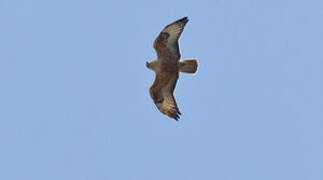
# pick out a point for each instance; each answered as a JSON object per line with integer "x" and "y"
{"x": 74, "y": 101}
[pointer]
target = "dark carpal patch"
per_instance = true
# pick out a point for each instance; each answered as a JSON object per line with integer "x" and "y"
{"x": 163, "y": 37}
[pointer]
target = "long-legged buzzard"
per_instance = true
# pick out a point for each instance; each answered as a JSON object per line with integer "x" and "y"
{"x": 167, "y": 68}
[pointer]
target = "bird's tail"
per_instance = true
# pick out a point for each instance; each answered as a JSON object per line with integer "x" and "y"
{"x": 188, "y": 66}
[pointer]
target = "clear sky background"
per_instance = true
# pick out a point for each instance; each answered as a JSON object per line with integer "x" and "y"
{"x": 74, "y": 101}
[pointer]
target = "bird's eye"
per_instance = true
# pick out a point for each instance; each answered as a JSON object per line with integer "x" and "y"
{"x": 160, "y": 100}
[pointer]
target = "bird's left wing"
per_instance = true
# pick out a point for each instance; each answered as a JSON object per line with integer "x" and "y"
{"x": 166, "y": 44}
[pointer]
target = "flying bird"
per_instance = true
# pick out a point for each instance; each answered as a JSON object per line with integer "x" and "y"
{"x": 167, "y": 68}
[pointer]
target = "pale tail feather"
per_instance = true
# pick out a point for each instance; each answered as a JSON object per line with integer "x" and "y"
{"x": 188, "y": 66}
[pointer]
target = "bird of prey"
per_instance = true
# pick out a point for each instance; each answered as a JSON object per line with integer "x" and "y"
{"x": 167, "y": 68}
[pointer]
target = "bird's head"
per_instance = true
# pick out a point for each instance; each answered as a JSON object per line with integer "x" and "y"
{"x": 148, "y": 65}
{"x": 153, "y": 65}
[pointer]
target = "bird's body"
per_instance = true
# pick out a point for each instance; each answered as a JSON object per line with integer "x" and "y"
{"x": 167, "y": 68}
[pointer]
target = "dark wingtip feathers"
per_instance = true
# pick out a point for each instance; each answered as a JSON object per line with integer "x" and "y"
{"x": 184, "y": 20}
{"x": 177, "y": 117}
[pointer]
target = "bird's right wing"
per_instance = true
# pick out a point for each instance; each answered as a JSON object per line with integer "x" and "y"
{"x": 169, "y": 108}
{"x": 162, "y": 93}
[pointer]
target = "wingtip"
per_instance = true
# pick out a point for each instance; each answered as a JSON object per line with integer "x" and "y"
{"x": 184, "y": 19}
{"x": 177, "y": 117}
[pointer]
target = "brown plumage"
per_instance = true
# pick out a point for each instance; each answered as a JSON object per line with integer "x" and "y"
{"x": 167, "y": 68}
